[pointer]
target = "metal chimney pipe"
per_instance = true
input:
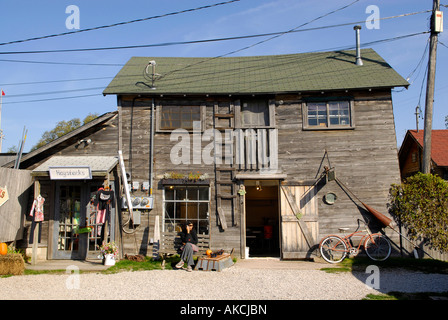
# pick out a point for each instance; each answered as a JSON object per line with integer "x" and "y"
{"x": 358, "y": 46}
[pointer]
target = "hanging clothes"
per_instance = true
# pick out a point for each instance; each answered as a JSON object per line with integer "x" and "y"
{"x": 103, "y": 201}
{"x": 37, "y": 212}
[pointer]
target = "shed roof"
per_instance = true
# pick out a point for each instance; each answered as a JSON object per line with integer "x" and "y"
{"x": 439, "y": 145}
{"x": 289, "y": 73}
{"x": 99, "y": 165}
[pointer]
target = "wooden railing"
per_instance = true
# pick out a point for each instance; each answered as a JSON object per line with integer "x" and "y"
{"x": 256, "y": 149}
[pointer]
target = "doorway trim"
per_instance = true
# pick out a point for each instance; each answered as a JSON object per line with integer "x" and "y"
{"x": 251, "y": 180}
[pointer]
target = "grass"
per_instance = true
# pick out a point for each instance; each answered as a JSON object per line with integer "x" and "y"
{"x": 148, "y": 264}
{"x": 394, "y": 295}
{"x": 360, "y": 264}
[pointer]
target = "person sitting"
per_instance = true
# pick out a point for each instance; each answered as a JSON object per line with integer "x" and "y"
{"x": 189, "y": 240}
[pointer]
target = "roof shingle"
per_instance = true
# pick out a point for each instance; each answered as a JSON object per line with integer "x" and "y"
{"x": 439, "y": 145}
{"x": 290, "y": 73}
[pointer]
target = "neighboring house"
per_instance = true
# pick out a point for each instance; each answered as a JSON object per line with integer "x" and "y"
{"x": 411, "y": 153}
{"x": 253, "y": 134}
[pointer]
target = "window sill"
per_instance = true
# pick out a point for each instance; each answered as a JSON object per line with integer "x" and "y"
{"x": 327, "y": 128}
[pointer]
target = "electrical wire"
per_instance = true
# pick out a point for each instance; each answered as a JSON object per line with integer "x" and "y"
{"x": 120, "y": 23}
{"x": 53, "y": 99}
{"x": 229, "y": 74}
{"x": 53, "y": 81}
{"x": 420, "y": 61}
{"x": 64, "y": 63}
{"x": 229, "y": 38}
{"x": 266, "y": 40}
{"x": 174, "y": 43}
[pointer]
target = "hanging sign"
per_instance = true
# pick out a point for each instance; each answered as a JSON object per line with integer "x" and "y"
{"x": 3, "y": 195}
{"x": 70, "y": 173}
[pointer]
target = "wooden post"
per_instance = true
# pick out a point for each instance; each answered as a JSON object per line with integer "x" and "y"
{"x": 36, "y": 230}
{"x": 242, "y": 193}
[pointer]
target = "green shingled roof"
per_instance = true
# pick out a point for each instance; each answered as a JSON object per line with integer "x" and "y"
{"x": 290, "y": 73}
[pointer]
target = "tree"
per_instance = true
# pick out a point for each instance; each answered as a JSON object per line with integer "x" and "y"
{"x": 62, "y": 128}
{"x": 421, "y": 205}
{"x": 446, "y": 122}
{"x": 13, "y": 149}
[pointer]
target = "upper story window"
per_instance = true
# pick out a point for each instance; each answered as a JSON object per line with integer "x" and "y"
{"x": 175, "y": 117}
{"x": 171, "y": 117}
{"x": 328, "y": 115}
{"x": 256, "y": 114}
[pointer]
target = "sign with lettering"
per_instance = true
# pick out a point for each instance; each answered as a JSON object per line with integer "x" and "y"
{"x": 70, "y": 173}
{"x": 3, "y": 195}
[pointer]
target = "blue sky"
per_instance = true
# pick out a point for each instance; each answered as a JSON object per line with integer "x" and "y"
{"x": 28, "y": 77}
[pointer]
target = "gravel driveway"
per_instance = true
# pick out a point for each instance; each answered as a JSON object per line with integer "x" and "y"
{"x": 239, "y": 282}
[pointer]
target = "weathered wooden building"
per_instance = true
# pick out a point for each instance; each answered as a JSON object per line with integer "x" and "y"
{"x": 411, "y": 153}
{"x": 237, "y": 145}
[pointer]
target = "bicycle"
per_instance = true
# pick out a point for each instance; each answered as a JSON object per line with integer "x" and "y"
{"x": 334, "y": 248}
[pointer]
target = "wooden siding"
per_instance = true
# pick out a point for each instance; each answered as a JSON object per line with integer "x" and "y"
{"x": 411, "y": 164}
{"x": 363, "y": 157}
{"x": 14, "y": 211}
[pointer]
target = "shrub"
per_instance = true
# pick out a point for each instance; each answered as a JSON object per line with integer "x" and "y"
{"x": 421, "y": 205}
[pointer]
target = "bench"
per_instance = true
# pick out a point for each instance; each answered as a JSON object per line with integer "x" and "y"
{"x": 170, "y": 244}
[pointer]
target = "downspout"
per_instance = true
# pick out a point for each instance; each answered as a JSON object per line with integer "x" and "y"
{"x": 151, "y": 173}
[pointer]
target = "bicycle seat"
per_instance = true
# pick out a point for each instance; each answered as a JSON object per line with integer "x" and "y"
{"x": 343, "y": 229}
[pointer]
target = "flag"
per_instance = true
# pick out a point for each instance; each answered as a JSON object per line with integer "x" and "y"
{"x": 3, "y": 92}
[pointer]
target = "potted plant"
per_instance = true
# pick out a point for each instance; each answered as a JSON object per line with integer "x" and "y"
{"x": 186, "y": 179}
{"x": 109, "y": 251}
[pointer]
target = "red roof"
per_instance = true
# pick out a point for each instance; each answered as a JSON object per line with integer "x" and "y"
{"x": 439, "y": 145}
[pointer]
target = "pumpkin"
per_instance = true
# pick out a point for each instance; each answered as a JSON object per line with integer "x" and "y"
{"x": 208, "y": 252}
{"x": 3, "y": 248}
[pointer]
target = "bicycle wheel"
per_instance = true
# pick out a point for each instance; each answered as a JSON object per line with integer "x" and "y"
{"x": 333, "y": 249}
{"x": 377, "y": 247}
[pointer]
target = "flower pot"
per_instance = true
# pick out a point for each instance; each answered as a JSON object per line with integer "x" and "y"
{"x": 109, "y": 260}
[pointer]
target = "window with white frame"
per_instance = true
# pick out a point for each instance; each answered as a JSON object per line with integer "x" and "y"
{"x": 328, "y": 115}
{"x": 186, "y": 203}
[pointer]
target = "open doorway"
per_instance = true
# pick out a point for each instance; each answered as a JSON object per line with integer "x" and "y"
{"x": 262, "y": 218}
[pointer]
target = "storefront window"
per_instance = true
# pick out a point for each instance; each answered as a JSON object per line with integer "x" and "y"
{"x": 186, "y": 203}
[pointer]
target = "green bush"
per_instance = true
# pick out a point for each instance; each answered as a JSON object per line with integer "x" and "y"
{"x": 421, "y": 205}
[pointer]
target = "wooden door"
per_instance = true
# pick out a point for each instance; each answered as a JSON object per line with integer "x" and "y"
{"x": 299, "y": 221}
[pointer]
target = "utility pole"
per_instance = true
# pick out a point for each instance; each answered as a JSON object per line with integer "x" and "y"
{"x": 1, "y": 131}
{"x": 430, "y": 84}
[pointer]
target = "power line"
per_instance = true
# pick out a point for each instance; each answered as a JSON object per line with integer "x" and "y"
{"x": 54, "y": 92}
{"x": 231, "y": 74}
{"x": 54, "y": 81}
{"x": 54, "y": 99}
{"x": 266, "y": 40}
{"x": 119, "y": 23}
{"x": 174, "y": 43}
{"x": 64, "y": 63}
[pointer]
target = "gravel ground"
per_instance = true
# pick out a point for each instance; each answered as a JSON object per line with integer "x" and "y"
{"x": 234, "y": 283}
